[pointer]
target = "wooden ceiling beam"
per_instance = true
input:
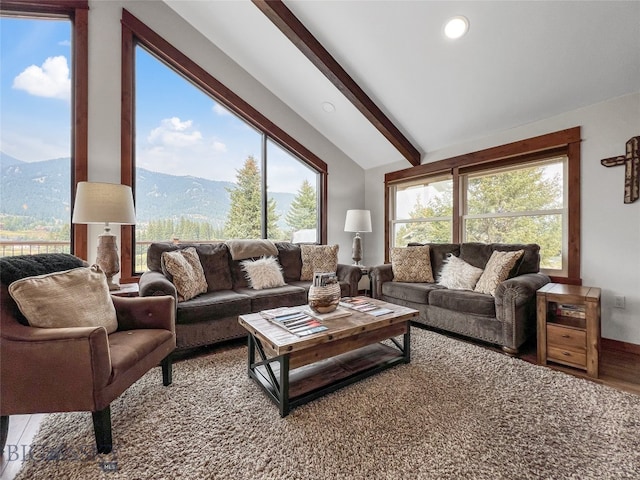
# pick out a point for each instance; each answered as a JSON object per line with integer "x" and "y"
{"x": 302, "y": 38}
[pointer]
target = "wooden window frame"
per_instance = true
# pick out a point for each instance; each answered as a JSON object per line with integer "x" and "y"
{"x": 135, "y": 32}
{"x": 563, "y": 142}
{"x": 77, "y": 11}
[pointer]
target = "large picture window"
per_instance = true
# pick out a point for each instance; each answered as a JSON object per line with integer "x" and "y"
{"x": 204, "y": 165}
{"x": 525, "y": 192}
{"x": 43, "y": 83}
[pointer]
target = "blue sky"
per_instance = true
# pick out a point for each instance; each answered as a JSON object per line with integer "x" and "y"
{"x": 179, "y": 129}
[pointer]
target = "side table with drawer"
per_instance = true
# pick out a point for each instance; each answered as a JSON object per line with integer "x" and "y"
{"x": 569, "y": 326}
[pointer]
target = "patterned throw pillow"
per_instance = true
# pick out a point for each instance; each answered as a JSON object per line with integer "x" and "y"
{"x": 73, "y": 298}
{"x": 497, "y": 270}
{"x": 411, "y": 264}
{"x": 185, "y": 268}
{"x": 318, "y": 258}
{"x": 263, "y": 273}
{"x": 458, "y": 274}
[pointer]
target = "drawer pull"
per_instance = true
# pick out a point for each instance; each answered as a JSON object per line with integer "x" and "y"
{"x": 566, "y": 354}
{"x": 566, "y": 336}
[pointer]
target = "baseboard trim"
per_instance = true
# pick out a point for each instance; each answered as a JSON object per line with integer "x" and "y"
{"x": 619, "y": 346}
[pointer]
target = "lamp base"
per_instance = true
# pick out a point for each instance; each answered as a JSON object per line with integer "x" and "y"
{"x": 356, "y": 249}
{"x": 107, "y": 258}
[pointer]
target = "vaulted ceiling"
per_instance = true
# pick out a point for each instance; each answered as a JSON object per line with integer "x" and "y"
{"x": 520, "y": 62}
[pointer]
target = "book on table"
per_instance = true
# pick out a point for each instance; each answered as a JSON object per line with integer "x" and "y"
{"x": 364, "y": 305}
{"x": 294, "y": 320}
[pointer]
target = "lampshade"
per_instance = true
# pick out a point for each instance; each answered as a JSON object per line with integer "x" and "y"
{"x": 358, "y": 221}
{"x": 103, "y": 203}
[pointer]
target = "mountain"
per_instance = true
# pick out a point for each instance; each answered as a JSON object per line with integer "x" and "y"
{"x": 6, "y": 160}
{"x": 36, "y": 189}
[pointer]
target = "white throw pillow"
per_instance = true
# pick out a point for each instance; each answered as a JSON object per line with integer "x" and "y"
{"x": 458, "y": 274}
{"x": 263, "y": 273}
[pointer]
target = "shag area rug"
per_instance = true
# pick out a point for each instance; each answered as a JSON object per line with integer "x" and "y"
{"x": 458, "y": 411}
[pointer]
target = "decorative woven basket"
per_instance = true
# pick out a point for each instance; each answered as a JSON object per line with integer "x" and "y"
{"x": 324, "y": 299}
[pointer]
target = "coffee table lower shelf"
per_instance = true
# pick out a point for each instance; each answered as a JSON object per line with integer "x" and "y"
{"x": 291, "y": 388}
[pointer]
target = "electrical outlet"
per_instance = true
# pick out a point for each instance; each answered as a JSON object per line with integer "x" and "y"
{"x": 618, "y": 301}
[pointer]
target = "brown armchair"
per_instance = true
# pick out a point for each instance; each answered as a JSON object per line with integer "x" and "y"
{"x": 45, "y": 370}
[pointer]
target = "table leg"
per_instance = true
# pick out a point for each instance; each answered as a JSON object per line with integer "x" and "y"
{"x": 284, "y": 385}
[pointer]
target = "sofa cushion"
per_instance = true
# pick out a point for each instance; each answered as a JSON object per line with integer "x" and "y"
{"x": 411, "y": 264}
{"x": 497, "y": 270}
{"x": 458, "y": 274}
{"x": 212, "y": 306}
{"x": 463, "y": 301}
{"x": 290, "y": 258}
{"x": 184, "y": 269}
{"x": 73, "y": 298}
{"x": 410, "y": 292}
{"x": 286, "y": 296}
{"x": 215, "y": 258}
{"x": 318, "y": 258}
{"x": 475, "y": 253}
{"x": 263, "y": 273}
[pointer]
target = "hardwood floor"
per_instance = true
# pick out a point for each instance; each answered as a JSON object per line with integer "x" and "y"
{"x": 618, "y": 369}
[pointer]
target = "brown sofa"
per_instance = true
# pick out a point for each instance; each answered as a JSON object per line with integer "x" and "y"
{"x": 213, "y": 316}
{"x": 506, "y": 319}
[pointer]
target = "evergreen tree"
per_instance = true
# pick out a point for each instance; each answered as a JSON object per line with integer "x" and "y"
{"x": 245, "y": 214}
{"x": 303, "y": 211}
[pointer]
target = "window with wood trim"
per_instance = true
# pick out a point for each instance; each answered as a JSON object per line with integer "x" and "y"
{"x": 44, "y": 134}
{"x": 524, "y": 192}
{"x": 204, "y": 165}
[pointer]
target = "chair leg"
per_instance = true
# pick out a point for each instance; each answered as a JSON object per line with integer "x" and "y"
{"x": 4, "y": 430}
{"x": 102, "y": 429}
{"x": 167, "y": 371}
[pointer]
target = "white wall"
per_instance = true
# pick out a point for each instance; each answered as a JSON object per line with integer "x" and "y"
{"x": 346, "y": 178}
{"x": 610, "y": 233}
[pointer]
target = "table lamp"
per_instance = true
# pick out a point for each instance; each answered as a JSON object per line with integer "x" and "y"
{"x": 105, "y": 203}
{"x": 358, "y": 221}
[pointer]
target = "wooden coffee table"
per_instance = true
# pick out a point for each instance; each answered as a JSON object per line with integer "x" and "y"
{"x": 294, "y": 370}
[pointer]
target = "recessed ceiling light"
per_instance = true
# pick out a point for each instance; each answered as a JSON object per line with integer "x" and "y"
{"x": 328, "y": 107}
{"x": 456, "y": 27}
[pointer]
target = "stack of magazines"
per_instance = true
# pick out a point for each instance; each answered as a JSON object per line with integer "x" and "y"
{"x": 364, "y": 305}
{"x": 322, "y": 279}
{"x": 294, "y": 320}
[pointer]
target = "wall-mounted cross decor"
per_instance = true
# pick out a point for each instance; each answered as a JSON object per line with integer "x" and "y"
{"x": 631, "y": 162}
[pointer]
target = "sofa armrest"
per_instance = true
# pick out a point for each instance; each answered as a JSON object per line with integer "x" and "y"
{"x": 379, "y": 275}
{"x": 516, "y": 307}
{"x": 51, "y": 369}
{"x": 350, "y": 274}
{"x": 154, "y": 283}
{"x": 145, "y": 312}
{"x": 520, "y": 290}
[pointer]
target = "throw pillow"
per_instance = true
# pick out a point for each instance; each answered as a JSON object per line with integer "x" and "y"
{"x": 497, "y": 270}
{"x": 72, "y": 298}
{"x": 318, "y": 258}
{"x": 411, "y": 264}
{"x": 263, "y": 273}
{"x": 458, "y": 274}
{"x": 186, "y": 271}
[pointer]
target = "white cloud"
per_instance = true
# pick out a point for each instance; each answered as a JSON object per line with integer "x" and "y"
{"x": 64, "y": 43}
{"x": 219, "y": 146}
{"x": 51, "y": 80}
{"x": 173, "y": 132}
{"x": 220, "y": 110}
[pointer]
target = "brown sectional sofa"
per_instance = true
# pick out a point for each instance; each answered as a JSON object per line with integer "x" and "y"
{"x": 213, "y": 316}
{"x": 508, "y": 319}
